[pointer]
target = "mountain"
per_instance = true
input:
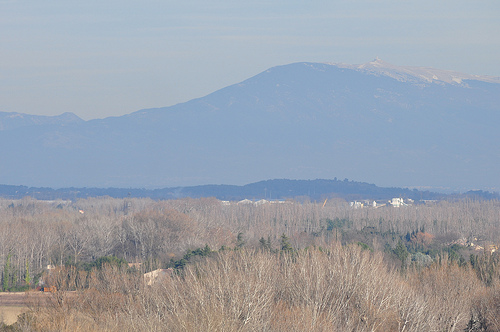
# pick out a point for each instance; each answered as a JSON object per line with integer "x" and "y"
{"x": 376, "y": 122}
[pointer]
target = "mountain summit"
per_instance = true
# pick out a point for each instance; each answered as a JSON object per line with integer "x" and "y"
{"x": 378, "y": 123}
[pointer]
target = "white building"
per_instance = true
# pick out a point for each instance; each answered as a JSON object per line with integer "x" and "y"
{"x": 397, "y": 202}
{"x": 356, "y": 205}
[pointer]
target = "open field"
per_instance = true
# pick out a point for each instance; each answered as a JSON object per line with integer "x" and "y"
{"x": 12, "y": 305}
{"x": 8, "y": 314}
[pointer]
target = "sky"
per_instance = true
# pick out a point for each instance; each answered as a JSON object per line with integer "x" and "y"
{"x": 109, "y": 58}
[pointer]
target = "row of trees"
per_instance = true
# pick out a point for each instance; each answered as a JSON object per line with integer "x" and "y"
{"x": 37, "y": 233}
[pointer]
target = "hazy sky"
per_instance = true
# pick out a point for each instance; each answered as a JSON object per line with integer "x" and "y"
{"x": 109, "y": 58}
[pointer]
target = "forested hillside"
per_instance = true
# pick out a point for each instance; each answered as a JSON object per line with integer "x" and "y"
{"x": 318, "y": 189}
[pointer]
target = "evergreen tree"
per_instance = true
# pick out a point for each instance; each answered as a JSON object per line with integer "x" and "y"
{"x": 27, "y": 277}
{"x": 285, "y": 243}
{"x": 265, "y": 244}
{"x": 240, "y": 242}
{"x": 6, "y": 273}
{"x": 401, "y": 252}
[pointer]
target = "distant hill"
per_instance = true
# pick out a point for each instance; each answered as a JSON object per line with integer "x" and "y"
{"x": 398, "y": 126}
{"x": 319, "y": 189}
{"x": 313, "y": 189}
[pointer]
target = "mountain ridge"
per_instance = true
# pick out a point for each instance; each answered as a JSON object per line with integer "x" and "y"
{"x": 302, "y": 120}
{"x": 317, "y": 189}
{"x": 14, "y": 120}
{"x": 273, "y": 189}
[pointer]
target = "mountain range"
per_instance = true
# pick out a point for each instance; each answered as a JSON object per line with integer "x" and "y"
{"x": 374, "y": 122}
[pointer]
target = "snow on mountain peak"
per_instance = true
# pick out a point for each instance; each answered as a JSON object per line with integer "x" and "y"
{"x": 377, "y": 63}
{"x": 416, "y": 74}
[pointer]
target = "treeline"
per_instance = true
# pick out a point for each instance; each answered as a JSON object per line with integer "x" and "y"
{"x": 36, "y": 234}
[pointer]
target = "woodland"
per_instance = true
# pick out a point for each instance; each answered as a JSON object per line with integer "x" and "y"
{"x": 287, "y": 266}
